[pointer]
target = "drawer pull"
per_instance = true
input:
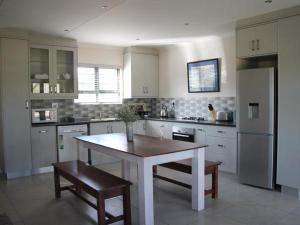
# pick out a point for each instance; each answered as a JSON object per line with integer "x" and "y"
{"x": 200, "y": 129}
{"x": 42, "y": 131}
{"x": 221, "y": 132}
{"x": 221, "y": 146}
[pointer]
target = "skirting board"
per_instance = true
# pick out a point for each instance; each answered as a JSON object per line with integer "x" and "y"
{"x": 290, "y": 191}
{"x": 48, "y": 169}
{"x": 14, "y": 175}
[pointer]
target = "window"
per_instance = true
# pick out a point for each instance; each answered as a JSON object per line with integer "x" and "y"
{"x": 99, "y": 85}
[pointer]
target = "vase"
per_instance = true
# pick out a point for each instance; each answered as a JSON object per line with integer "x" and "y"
{"x": 129, "y": 131}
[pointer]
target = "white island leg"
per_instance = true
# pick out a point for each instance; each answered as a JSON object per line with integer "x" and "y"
{"x": 198, "y": 180}
{"x": 126, "y": 169}
{"x": 145, "y": 192}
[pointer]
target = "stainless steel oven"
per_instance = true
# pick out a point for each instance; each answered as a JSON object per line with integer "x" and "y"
{"x": 44, "y": 115}
{"x": 183, "y": 134}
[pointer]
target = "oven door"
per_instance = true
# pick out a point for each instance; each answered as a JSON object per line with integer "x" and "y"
{"x": 183, "y": 137}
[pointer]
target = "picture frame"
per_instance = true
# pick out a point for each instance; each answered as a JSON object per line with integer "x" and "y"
{"x": 203, "y": 76}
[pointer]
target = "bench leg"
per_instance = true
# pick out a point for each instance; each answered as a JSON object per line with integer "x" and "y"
{"x": 57, "y": 184}
{"x": 126, "y": 206}
{"x": 154, "y": 169}
{"x": 215, "y": 183}
{"x": 101, "y": 209}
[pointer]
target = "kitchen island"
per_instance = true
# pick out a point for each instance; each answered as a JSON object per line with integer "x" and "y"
{"x": 146, "y": 152}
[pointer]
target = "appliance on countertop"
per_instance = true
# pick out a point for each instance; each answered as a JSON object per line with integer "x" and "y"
{"x": 44, "y": 115}
{"x": 67, "y": 144}
{"x": 192, "y": 118}
{"x": 164, "y": 111}
{"x": 256, "y": 123}
{"x": 224, "y": 116}
{"x": 183, "y": 134}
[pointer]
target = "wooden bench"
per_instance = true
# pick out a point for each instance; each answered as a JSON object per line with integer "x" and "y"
{"x": 185, "y": 166}
{"x": 96, "y": 183}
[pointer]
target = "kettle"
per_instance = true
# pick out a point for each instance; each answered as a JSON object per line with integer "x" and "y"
{"x": 164, "y": 111}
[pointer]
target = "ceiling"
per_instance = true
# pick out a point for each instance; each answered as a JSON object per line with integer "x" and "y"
{"x": 122, "y": 22}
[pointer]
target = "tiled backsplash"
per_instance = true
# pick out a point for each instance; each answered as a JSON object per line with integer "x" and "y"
{"x": 193, "y": 106}
{"x": 183, "y": 106}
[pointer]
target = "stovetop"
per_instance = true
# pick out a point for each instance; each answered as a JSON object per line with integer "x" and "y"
{"x": 192, "y": 118}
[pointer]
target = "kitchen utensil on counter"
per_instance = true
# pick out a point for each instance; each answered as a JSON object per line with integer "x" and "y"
{"x": 164, "y": 111}
{"x": 224, "y": 116}
{"x": 212, "y": 115}
{"x": 172, "y": 111}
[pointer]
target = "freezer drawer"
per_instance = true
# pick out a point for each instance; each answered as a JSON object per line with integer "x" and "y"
{"x": 256, "y": 159}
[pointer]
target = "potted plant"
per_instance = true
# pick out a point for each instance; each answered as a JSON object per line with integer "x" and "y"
{"x": 128, "y": 115}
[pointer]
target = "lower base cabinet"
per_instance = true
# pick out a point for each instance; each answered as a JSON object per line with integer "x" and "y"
{"x": 221, "y": 141}
{"x": 43, "y": 147}
{"x": 105, "y": 128}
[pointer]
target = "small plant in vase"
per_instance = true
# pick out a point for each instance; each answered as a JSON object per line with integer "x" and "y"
{"x": 128, "y": 115}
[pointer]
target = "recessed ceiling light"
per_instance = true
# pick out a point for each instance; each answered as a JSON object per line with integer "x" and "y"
{"x": 268, "y": 1}
{"x": 104, "y": 7}
{"x": 186, "y": 24}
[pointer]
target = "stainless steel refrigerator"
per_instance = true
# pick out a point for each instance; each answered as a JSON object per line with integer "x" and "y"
{"x": 256, "y": 123}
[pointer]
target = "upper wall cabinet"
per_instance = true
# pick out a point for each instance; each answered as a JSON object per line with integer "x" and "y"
{"x": 53, "y": 72}
{"x": 257, "y": 41}
{"x": 140, "y": 73}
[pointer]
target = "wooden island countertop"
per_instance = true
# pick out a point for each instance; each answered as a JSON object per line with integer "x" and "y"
{"x": 142, "y": 146}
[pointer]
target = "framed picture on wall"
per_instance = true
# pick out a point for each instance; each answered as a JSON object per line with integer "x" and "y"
{"x": 203, "y": 76}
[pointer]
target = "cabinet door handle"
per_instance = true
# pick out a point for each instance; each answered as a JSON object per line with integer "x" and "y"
{"x": 42, "y": 131}
{"x": 51, "y": 89}
{"x": 253, "y": 45}
{"x": 221, "y": 132}
{"x": 221, "y": 146}
{"x": 55, "y": 89}
{"x": 26, "y": 104}
{"x": 111, "y": 129}
{"x": 257, "y": 45}
{"x": 201, "y": 130}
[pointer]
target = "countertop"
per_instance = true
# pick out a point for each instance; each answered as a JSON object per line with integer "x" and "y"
{"x": 174, "y": 120}
{"x": 142, "y": 146}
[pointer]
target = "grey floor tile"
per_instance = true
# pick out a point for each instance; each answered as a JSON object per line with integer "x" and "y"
{"x": 30, "y": 201}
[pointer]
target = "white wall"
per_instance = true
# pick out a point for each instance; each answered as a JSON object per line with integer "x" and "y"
{"x": 173, "y": 66}
{"x": 100, "y": 55}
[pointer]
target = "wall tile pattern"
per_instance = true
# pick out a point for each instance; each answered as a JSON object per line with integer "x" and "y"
{"x": 183, "y": 106}
{"x": 196, "y": 107}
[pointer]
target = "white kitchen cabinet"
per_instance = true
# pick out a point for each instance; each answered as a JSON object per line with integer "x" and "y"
{"x": 221, "y": 141}
{"x": 118, "y": 127}
{"x": 53, "y": 72}
{"x": 288, "y": 156}
{"x": 140, "y": 74}
{"x": 159, "y": 129}
{"x": 43, "y": 148}
{"x": 139, "y": 127}
{"x": 257, "y": 41}
{"x": 200, "y": 134}
{"x": 105, "y": 128}
{"x": 15, "y": 147}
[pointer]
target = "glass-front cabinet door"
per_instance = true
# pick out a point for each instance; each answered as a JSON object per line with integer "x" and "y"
{"x": 65, "y": 71}
{"x": 40, "y": 71}
{"x": 53, "y": 72}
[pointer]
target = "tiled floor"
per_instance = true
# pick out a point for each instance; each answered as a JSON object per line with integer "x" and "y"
{"x": 31, "y": 201}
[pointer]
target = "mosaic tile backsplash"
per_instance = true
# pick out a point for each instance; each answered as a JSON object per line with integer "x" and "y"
{"x": 183, "y": 106}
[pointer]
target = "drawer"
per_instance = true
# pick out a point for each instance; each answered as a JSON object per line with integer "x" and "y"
{"x": 223, "y": 150}
{"x": 225, "y": 132}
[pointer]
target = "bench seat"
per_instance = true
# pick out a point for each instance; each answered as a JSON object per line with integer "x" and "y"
{"x": 185, "y": 166}
{"x": 98, "y": 184}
